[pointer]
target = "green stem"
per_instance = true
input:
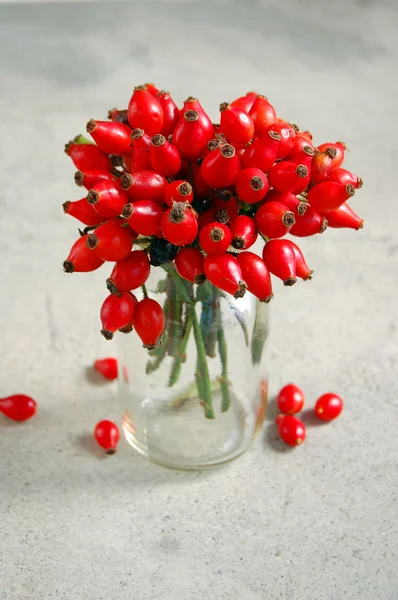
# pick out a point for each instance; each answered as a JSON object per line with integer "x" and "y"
{"x": 144, "y": 290}
{"x": 208, "y": 328}
{"x": 180, "y": 356}
{"x": 222, "y": 348}
{"x": 202, "y": 371}
{"x": 171, "y": 295}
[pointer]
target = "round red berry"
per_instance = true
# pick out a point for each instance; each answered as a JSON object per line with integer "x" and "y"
{"x": 328, "y": 407}
{"x": 189, "y": 264}
{"x": 291, "y": 430}
{"x": 251, "y": 185}
{"x": 107, "y": 367}
{"x": 149, "y": 322}
{"x": 221, "y": 167}
{"x": 18, "y": 407}
{"x": 180, "y": 224}
{"x": 107, "y": 436}
{"x": 235, "y": 124}
{"x": 129, "y": 273}
{"x": 290, "y": 399}
{"x": 178, "y": 191}
{"x": 215, "y": 238}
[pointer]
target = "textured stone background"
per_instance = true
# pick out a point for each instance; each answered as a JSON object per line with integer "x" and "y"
{"x": 319, "y": 523}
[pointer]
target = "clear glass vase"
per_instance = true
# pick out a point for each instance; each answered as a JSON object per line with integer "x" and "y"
{"x": 199, "y": 398}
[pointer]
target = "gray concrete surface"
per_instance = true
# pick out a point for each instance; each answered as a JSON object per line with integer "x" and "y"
{"x": 318, "y": 523}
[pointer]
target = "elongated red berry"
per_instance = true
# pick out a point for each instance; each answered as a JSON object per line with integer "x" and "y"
{"x": 274, "y": 220}
{"x": 291, "y": 201}
{"x": 107, "y": 198}
{"x": 144, "y": 185}
{"x": 310, "y": 223}
{"x": 302, "y": 146}
{"x": 117, "y": 313}
{"x": 263, "y": 115}
{"x": 91, "y": 178}
{"x": 189, "y": 137}
{"x": 345, "y": 217}
{"x": 287, "y": 133}
{"x": 224, "y": 271}
{"x": 88, "y": 157}
{"x": 141, "y": 158}
{"x": 171, "y": 114}
{"x": 180, "y": 224}
{"x": 189, "y": 264}
{"x": 165, "y": 158}
{"x": 302, "y": 269}
{"x": 81, "y": 259}
{"x": 343, "y": 176}
{"x": 256, "y": 276}
{"x": 321, "y": 166}
{"x": 215, "y": 238}
{"x": 235, "y": 124}
{"x": 149, "y": 322}
{"x": 290, "y": 399}
{"x": 111, "y": 241}
{"x": 243, "y": 232}
{"x": 336, "y": 150}
{"x": 261, "y": 154}
{"x": 110, "y": 136}
{"x": 178, "y": 191}
{"x": 328, "y": 407}
{"x": 280, "y": 259}
{"x": 245, "y": 102}
{"x": 144, "y": 216}
{"x": 192, "y": 103}
{"x": 107, "y": 367}
{"x": 291, "y": 430}
{"x": 18, "y": 407}
{"x": 144, "y": 111}
{"x": 251, "y": 185}
{"x": 221, "y": 167}
{"x": 82, "y": 211}
{"x": 107, "y": 435}
{"x": 287, "y": 176}
{"x": 329, "y": 195}
{"x": 129, "y": 273}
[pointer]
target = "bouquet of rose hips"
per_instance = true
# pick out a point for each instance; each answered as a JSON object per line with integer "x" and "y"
{"x": 192, "y": 197}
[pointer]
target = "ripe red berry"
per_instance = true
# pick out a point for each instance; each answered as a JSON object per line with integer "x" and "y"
{"x": 328, "y": 407}
{"x": 18, "y": 407}
{"x": 302, "y": 147}
{"x": 189, "y": 137}
{"x": 142, "y": 144}
{"x": 215, "y": 238}
{"x": 88, "y": 157}
{"x": 144, "y": 111}
{"x": 235, "y": 124}
{"x": 287, "y": 176}
{"x": 171, "y": 114}
{"x": 256, "y": 276}
{"x": 83, "y": 211}
{"x": 287, "y": 133}
{"x": 144, "y": 216}
{"x": 189, "y": 264}
{"x": 200, "y": 186}
{"x": 321, "y": 166}
{"x": 343, "y": 176}
{"x": 91, "y": 178}
{"x": 107, "y": 436}
{"x": 129, "y": 273}
{"x": 336, "y": 150}
{"x": 110, "y": 136}
{"x": 180, "y": 224}
{"x": 178, "y": 191}
{"x": 310, "y": 223}
{"x": 329, "y": 195}
{"x": 245, "y": 102}
{"x": 149, "y": 322}
{"x": 290, "y": 399}
{"x": 107, "y": 198}
{"x": 243, "y": 232}
{"x": 297, "y": 207}
{"x": 207, "y": 217}
{"x": 262, "y": 152}
{"x": 280, "y": 259}
{"x": 192, "y": 103}
{"x": 302, "y": 269}
{"x": 152, "y": 89}
{"x": 165, "y": 158}
{"x": 251, "y": 185}
{"x": 344, "y": 216}
{"x": 291, "y": 430}
{"x": 274, "y": 220}
{"x": 144, "y": 185}
{"x": 107, "y": 367}
{"x": 81, "y": 259}
{"x": 225, "y": 211}
{"x": 111, "y": 241}
{"x": 263, "y": 115}
{"x": 117, "y": 314}
{"x": 224, "y": 271}
{"x": 221, "y": 167}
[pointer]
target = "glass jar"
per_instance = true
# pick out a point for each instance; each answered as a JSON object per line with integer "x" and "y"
{"x": 199, "y": 398}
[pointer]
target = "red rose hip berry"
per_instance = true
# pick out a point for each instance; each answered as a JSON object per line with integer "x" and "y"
{"x": 81, "y": 259}
{"x": 345, "y": 217}
{"x": 82, "y": 211}
{"x": 91, "y": 178}
{"x": 165, "y": 158}
{"x": 189, "y": 264}
{"x": 149, "y": 322}
{"x": 235, "y": 124}
{"x": 329, "y": 195}
{"x": 144, "y": 185}
{"x": 251, "y": 185}
{"x": 117, "y": 314}
{"x": 144, "y": 216}
{"x": 302, "y": 269}
{"x": 291, "y": 430}
{"x": 328, "y": 407}
{"x": 18, "y": 407}
{"x": 107, "y": 435}
{"x": 142, "y": 144}
{"x": 171, "y": 114}
{"x": 290, "y": 399}
{"x": 107, "y": 198}
{"x": 107, "y": 367}
{"x": 179, "y": 224}
{"x": 215, "y": 238}
{"x": 144, "y": 111}
{"x": 110, "y": 136}
{"x": 111, "y": 241}
{"x": 243, "y": 232}
{"x": 274, "y": 220}
{"x": 256, "y": 276}
{"x": 261, "y": 154}
{"x": 262, "y": 114}
{"x": 88, "y": 157}
{"x": 129, "y": 273}
{"x": 178, "y": 191}
{"x": 221, "y": 167}
{"x": 224, "y": 271}
{"x": 189, "y": 137}
{"x": 280, "y": 259}
{"x": 287, "y": 176}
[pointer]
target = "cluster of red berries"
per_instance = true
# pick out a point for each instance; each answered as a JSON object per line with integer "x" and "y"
{"x": 290, "y": 401}
{"x": 186, "y": 190}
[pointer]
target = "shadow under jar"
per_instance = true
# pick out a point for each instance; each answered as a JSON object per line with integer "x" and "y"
{"x": 199, "y": 398}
